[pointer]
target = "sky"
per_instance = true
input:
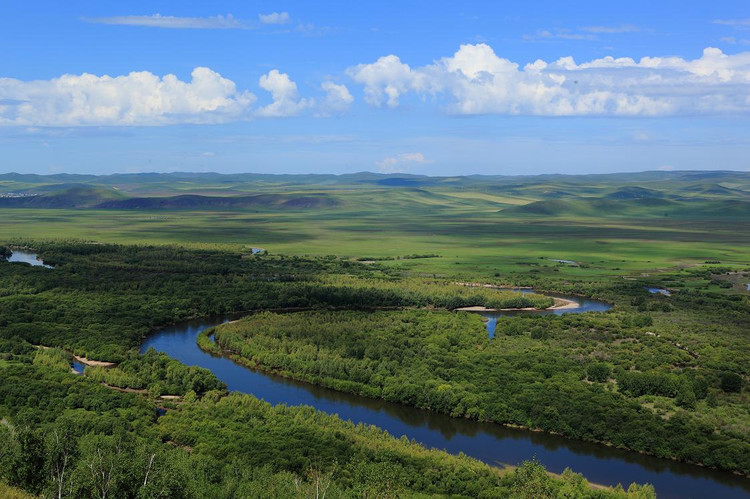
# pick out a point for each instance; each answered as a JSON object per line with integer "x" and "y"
{"x": 422, "y": 87}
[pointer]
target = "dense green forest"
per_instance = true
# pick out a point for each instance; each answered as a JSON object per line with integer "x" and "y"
{"x": 361, "y": 327}
{"x": 102, "y": 300}
{"x": 540, "y": 372}
{"x": 65, "y": 435}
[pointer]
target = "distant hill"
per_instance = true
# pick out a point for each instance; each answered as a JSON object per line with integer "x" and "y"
{"x": 196, "y": 202}
{"x": 644, "y": 194}
{"x": 79, "y": 196}
{"x": 63, "y": 196}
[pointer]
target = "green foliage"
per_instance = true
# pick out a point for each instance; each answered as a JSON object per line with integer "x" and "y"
{"x": 55, "y": 358}
{"x": 531, "y": 481}
{"x": 598, "y": 372}
{"x": 731, "y": 382}
{"x": 220, "y": 446}
{"x": 445, "y": 362}
{"x": 101, "y": 300}
{"x": 156, "y": 371}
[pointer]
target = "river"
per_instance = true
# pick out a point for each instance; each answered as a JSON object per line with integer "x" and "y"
{"x": 491, "y": 443}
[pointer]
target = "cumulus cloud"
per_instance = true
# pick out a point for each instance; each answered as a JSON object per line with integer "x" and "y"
{"x": 275, "y": 18}
{"x": 475, "y": 80}
{"x": 174, "y": 22}
{"x": 399, "y": 163}
{"x": 145, "y": 99}
{"x": 337, "y": 99}
{"x": 139, "y": 98}
{"x": 386, "y": 79}
{"x": 286, "y": 101}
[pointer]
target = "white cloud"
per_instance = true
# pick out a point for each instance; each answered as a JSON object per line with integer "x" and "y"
{"x": 476, "y": 81}
{"x": 139, "y": 98}
{"x": 145, "y": 99}
{"x": 399, "y": 162}
{"x": 337, "y": 100}
{"x": 666, "y": 168}
{"x": 587, "y": 33}
{"x": 734, "y": 41}
{"x": 274, "y": 18}
{"x": 286, "y": 101}
{"x": 174, "y": 22}
{"x": 737, "y": 23}
{"x": 386, "y": 79}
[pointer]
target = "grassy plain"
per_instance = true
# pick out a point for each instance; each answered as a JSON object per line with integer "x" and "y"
{"x": 476, "y": 229}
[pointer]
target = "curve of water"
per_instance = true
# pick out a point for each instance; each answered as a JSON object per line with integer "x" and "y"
{"x": 491, "y": 443}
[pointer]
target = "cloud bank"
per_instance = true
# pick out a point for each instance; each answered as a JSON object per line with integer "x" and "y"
{"x": 476, "y": 81}
{"x": 145, "y": 99}
{"x": 473, "y": 81}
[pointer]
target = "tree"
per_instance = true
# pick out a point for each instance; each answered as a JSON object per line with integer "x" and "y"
{"x": 731, "y": 382}
{"x": 104, "y": 468}
{"x": 60, "y": 448}
{"x": 598, "y": 372}
{"x": 531, "y": 481}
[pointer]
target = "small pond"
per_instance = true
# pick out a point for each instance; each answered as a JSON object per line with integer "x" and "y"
{"x": 27, "y": 257}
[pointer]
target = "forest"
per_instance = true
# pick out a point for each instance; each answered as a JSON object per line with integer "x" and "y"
{"x": 640, "y": 376}
{"x": 538, "y": 372}
{"x": 64, "y": 435}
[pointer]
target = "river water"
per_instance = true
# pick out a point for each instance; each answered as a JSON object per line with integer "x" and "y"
{"x": 491, "y": 443}
{"x": 583, "y": 305}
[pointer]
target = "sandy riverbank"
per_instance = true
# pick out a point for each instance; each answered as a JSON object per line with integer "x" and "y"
{"x": 96, "y": 363}
{"x": 560, "y": 304}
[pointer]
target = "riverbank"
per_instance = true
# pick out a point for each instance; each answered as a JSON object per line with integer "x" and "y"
{"x": 489, "y": 442}
{"x": 207, "y": 344}
{"x": 560, "y": 304}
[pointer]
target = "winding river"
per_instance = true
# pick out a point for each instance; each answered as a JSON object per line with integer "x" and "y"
{"x": 491, "y": 443}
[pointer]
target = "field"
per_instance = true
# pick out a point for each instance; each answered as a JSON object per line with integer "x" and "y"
{"x": 611, "y": 225}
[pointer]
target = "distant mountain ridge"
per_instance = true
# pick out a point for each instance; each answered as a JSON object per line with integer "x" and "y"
{"x": 645, "y": 194}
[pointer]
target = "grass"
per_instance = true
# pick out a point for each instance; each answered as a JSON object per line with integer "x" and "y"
{"x": 478, "y": 229}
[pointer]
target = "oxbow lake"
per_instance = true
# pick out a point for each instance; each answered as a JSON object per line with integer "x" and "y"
{"x": 491, "y": 443}
{"x": 27, "y": 257}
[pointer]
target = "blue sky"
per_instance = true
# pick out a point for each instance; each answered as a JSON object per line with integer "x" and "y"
{"x": 332, "y": 87}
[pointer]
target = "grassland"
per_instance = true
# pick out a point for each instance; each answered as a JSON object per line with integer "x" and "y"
{"x": 512, "y": 227}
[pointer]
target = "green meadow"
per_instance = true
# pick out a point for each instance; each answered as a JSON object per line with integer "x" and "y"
{"x": 610, "y": 225}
